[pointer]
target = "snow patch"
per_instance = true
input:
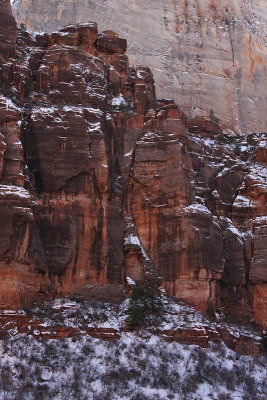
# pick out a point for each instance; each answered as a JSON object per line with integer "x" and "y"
{"x": 130, "y": 281}
{"x": 18, "y": 191}
{"x": 119, "y": 100}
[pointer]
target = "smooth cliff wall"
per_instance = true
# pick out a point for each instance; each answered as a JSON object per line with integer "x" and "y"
{"x": 205, "y": 54}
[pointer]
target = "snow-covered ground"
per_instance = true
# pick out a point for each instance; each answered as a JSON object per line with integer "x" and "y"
{"x": 129, "y": 368}
{"x": 136, "y": 366}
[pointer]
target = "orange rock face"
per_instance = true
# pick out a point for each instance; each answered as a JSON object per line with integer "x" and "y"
{"x": 99, "y": 181}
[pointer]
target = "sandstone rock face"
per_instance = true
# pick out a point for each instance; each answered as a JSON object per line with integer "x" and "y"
{"x": 100, "y": 181}
{"x": 8, "y": 31}
{"x": 207, "y": 55}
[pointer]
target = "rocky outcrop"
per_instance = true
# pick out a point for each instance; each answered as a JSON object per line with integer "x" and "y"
{"x": 8, "y": 31}
{"x": 184, "y": 325}
{"x": 210, "y": 56}
{"x": 101, "y": 181}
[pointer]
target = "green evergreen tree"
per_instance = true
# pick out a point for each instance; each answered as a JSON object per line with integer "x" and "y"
{"x": 145, "y": 300}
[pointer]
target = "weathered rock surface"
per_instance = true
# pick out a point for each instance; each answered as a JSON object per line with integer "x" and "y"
{"x": 8, "y": 31}
{"x": 99, "y": 180}
{"x": 207, "y": 55}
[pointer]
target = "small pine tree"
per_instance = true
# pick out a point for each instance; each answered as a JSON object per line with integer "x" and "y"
{"x": 138, "y": 308}
{"x": 213, "y": 119}
{"x": 145, "y": 300}
{"x": 264, "y": 343}
{"x": 237, "y": 149}
{"x": 211, "y": 309}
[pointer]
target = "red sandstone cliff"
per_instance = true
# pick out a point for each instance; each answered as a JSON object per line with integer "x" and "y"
{"x": 99, "y": 180}
{"x": 8, "y": 31}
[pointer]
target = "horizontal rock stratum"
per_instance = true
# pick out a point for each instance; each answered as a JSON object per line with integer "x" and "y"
{"x": 206, "y": 54}
{"x": 100, "y": 181}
